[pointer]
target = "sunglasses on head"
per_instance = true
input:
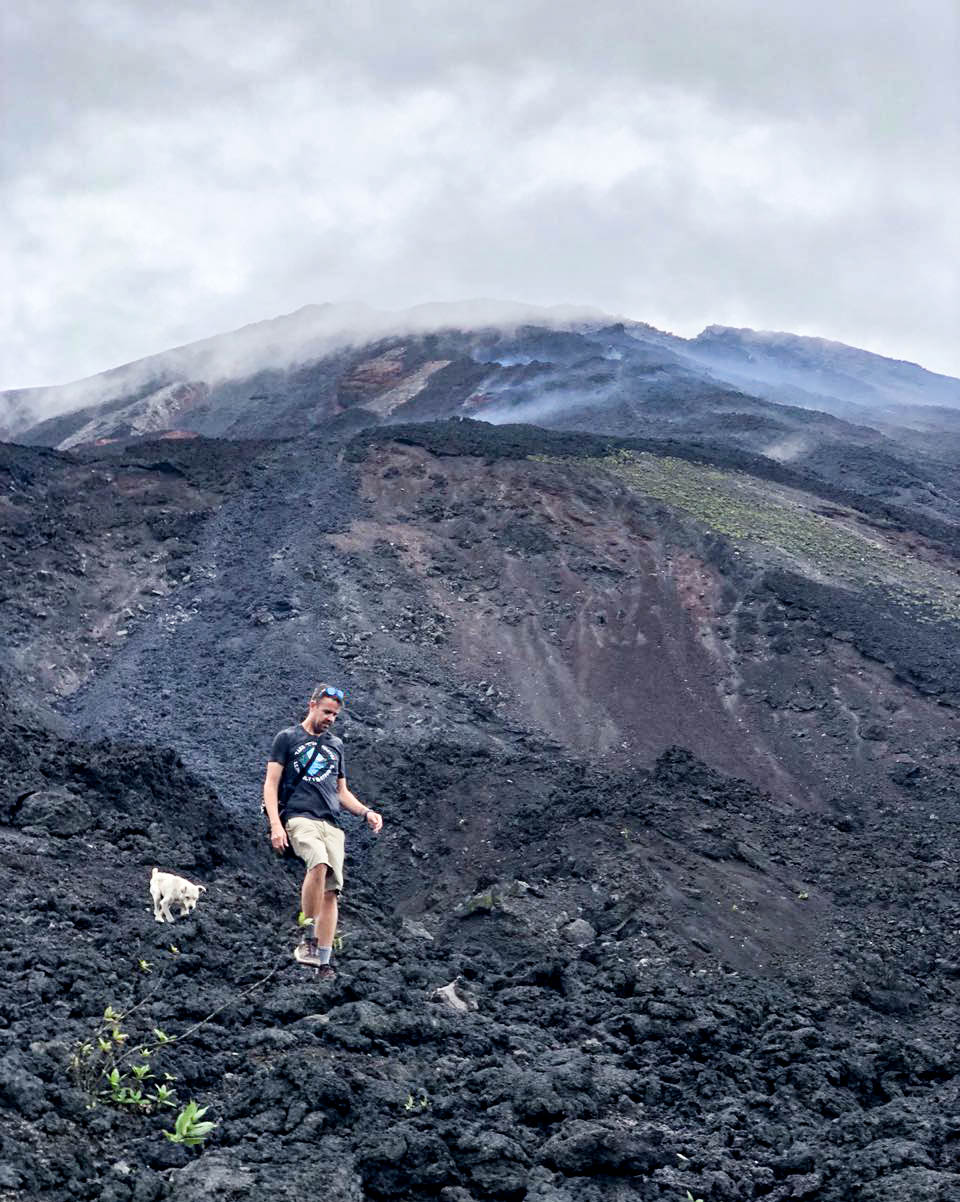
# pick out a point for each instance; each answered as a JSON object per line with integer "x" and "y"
{"x": 337, "y": 694}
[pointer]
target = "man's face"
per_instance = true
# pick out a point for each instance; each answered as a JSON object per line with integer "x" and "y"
{"x": 323, "y": 713}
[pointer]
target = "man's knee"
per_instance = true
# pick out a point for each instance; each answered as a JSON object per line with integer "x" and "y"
{"x": 318, "y": 872}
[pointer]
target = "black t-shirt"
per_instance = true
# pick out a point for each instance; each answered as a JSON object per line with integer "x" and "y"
{"x": 315, "y": 796}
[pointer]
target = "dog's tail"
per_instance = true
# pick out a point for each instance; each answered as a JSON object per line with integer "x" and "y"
{"x": 202, "y": 888}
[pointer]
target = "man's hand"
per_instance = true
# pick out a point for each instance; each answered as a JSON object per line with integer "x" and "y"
{"x": 278, "y": 838}
{"x": 374, "y": 821}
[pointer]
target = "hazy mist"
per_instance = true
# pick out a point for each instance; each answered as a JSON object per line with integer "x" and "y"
{"x": 174, "y": 171}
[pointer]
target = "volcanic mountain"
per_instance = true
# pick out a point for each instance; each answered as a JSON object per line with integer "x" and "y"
{"x": 651, "y": 654}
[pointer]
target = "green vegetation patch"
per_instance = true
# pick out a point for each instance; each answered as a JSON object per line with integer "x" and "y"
{"x": 760, "y": 514}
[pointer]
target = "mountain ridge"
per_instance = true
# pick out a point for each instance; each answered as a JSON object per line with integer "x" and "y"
{"x": 314, "y": 332}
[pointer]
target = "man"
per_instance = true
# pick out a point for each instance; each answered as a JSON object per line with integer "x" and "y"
{"x": 306, "y": 768}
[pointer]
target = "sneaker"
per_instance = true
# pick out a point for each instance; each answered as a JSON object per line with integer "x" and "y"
{"x": 306, "y": 953}
{"x": 326, "y": 972}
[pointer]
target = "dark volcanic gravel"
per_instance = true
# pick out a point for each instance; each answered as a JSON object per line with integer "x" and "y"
{"x": 593, "y": 1058}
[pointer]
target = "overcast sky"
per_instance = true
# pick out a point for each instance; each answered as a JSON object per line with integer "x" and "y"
{"x": 174, "y": 170}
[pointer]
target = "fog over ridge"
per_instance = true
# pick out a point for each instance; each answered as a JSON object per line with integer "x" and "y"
{"x": 738, "y": 162}
{"x": 289, "y": 340}
{"x": 597, "y": 360}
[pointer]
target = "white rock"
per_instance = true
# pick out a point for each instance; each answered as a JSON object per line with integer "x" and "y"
{"x": 579, "y": 932}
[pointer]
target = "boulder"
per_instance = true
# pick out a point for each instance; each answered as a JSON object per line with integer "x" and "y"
{"x": 579, "y": 932}
{"x": 56, "y": 811}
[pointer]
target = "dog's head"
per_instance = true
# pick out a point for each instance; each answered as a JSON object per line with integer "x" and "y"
{"x": 190, "y": 895}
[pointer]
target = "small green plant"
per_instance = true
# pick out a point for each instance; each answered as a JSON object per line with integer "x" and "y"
{"x": 416, "y": 1104}
{"x": 163, "y": 1095}
{"x": 188, "y": 1129}
{"x": 338, "y": 943}
{"x": 114, "y": 1080}
{"x": 125, "y": 1095}
{"x": 145, "y": 965}
{"x": 102, "y": 1066}
{"x": 691, "y": 1198}
{"x": 302, "y": 919}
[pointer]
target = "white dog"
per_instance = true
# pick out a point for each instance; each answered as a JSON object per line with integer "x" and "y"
{"x": 167, "y": 889}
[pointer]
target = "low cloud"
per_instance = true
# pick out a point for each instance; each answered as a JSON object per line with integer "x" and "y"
{"x": 741, "y": 163}
{"x": 282, "y": 343}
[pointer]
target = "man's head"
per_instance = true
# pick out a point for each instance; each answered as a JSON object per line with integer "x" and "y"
{"x": 325, "y": 705}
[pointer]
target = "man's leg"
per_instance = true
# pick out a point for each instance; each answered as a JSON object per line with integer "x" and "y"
{"x": 320, "y": 906}
{"x": 312, "y": 893}
{"x": 325, "y": 923}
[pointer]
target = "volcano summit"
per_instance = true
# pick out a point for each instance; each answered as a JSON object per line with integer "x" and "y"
{"x": 651, "y": 655}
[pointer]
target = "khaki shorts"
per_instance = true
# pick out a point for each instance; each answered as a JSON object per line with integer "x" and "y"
{"x": 318, "y": 842}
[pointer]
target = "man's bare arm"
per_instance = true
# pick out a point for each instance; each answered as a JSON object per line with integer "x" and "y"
{"x": 271, "y": 803}
{"x": 352, "y": 803}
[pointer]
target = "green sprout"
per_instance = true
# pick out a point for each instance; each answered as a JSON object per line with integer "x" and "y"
{"x": 122, "y": 1094}
{"x": 163, "y": 1095}
{"x": 188, "y": 1129}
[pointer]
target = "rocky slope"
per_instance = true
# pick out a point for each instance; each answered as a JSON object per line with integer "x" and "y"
{"x": 592, "y": 1054}
{"x": 665, "y": 733}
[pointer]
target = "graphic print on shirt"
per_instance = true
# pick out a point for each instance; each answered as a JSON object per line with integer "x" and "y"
{"x": 322, "y": 766}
